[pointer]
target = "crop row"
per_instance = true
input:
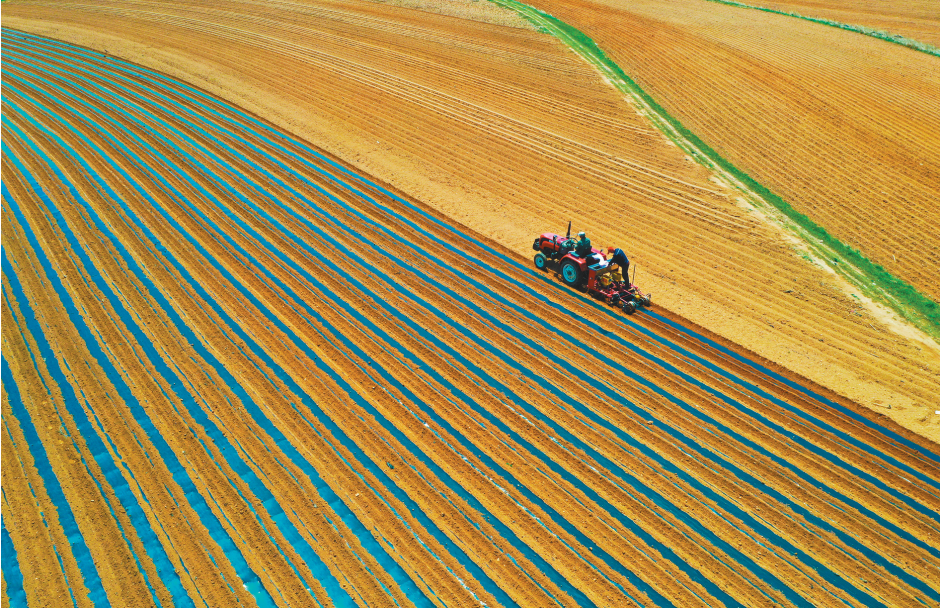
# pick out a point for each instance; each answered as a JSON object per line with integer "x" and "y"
{"x": 237, "y": 370}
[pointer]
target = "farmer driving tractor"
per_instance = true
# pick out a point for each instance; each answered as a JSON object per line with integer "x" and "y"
{"x": 583, "y": 246}
{"x": 582, "y": 267}
{"x": 618, "y": 257}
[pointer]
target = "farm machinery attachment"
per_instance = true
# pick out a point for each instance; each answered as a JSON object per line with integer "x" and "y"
{"x": 603, "y": 278}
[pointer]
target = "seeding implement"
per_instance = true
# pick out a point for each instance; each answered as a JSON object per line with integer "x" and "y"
{"x": 602, "y": 278}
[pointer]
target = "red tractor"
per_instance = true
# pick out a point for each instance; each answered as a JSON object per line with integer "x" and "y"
{"x": 600, "y": 277}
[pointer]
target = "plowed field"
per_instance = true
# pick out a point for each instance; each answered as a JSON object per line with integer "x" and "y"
{"x": 917, "y": 20}
{"x": 507, "y": 131}
{"x": 844, "y": 127}
{"x": 238, "y": 371}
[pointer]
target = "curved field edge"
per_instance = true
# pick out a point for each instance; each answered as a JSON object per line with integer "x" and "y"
{"x": 871, "y": 279}
{"x": 859, "y": 29}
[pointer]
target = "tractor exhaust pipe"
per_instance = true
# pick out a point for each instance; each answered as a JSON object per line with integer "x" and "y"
{"x": 568, "y": 233}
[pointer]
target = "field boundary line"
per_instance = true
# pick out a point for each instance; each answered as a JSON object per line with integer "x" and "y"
{"x": 922, "y": 47}
{"x": 815, "y": 243}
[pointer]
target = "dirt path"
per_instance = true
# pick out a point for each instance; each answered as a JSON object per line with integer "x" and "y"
{"x": 292, "y": 384}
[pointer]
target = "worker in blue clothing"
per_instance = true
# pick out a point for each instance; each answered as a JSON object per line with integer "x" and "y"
{"x": 620, "y": 259}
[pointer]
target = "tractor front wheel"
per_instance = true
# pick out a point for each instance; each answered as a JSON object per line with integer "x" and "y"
{"x": 540, "y": 260}
{"x": 571, "y": 274}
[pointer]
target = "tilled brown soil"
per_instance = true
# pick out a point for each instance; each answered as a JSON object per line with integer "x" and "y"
{"x": 842, "y": 126}
{"x": 236, "y": 370}
{"x": 914, "y": 20}
{"x": 506, "y": 131}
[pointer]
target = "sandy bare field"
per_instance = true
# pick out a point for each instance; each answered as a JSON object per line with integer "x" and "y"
{"x": 506, "y": 131}
{"x": 238, "y": 370}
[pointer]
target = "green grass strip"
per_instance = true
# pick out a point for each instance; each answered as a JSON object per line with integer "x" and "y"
{"x": 859, "y": 29}
{"x": 871, "y": 279}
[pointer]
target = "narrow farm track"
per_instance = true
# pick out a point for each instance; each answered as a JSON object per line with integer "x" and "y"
{"x": 237, "y": 371}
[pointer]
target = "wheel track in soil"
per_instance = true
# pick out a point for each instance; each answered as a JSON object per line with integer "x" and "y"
{"x": 228, "y": 296}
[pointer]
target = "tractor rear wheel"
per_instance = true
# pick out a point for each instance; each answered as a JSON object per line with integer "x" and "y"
{"x": 571, "y": 274}
{"x": 540, "y": 260}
